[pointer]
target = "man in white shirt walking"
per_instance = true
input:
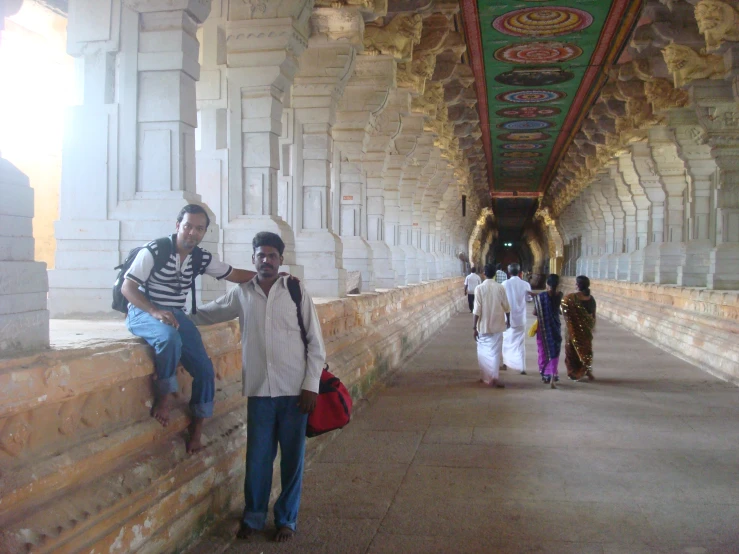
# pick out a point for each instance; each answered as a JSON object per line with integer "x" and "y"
{"x": 280, "y": 379}
{"x": 470, "y": 284}
{"x": 492, "y": 317}
{"x": 514, "y": 339}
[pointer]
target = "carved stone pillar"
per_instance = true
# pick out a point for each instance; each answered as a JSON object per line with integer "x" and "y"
{"x": 701, "y": 168}
{"x": 653, "y": 188}
{"x": 642, "y": 203}
{"x": 624, "y": 197}
{"x": 718, "y": 115}
{"x": 264, "y": 41}
{"x": 129, "y": 151}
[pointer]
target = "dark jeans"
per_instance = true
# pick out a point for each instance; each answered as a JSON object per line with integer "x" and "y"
{"x": 471, "y": 301}
{"x": 172, "y": 346}
{"x": 273, "y": 421}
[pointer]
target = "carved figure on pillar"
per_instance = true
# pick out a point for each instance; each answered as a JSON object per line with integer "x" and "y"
{"x": 687, "y": 65}
{"x": 718, "y": 22}
{"x": 395, "y": 39}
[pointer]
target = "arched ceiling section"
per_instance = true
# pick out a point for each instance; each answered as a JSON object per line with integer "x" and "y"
{"x": 539, "y": 66}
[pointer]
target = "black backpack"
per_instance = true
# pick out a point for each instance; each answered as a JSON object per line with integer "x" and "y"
{"x": 161, "y": 257}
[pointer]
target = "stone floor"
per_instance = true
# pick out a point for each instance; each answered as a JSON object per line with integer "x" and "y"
{"x": 644, "y": 459}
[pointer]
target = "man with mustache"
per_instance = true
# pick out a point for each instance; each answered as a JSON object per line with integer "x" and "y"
{"x": 280, "y": 378}
{"x": 156, "y": 299}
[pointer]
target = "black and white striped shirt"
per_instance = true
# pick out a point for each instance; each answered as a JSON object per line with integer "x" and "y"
{"x": 169, "y": 286}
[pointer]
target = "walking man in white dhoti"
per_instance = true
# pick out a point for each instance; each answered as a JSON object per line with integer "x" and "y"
{"x": 514, "y": 339}
{"x": 491, "y": 318}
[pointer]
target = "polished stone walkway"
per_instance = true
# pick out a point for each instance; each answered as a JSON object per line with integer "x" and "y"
{"x": 644, "y": 459}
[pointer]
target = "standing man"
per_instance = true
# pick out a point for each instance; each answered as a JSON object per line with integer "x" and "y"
{"x": 470, "y": 284}
{"x": 156, "y": 299}
{"x": 500, "y": 275}
{"x": 514, "y": 339}
{"x": 492, "y": 318}
{"x": 280, "y": 378}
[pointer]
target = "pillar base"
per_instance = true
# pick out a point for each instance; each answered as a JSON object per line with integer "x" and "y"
{"x": 320, "y": 253}
{"x": 622, "y": 269}
{"x": 636, "y": 266}
{"x": 398, "y": 265}
{"x": 412, "y": 265}
{"x": 382, "y": 264}
{"x": 694, "y": 268}
{"x": 724, "y": 267}
{"x": 669, "y": 259}
{"x": 649, "y": 265}
{"x": 358, "y": 257}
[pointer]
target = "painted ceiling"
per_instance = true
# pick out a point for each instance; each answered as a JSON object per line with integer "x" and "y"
{"x": 539, "y": 65}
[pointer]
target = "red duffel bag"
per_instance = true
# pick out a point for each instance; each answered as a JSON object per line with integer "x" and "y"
{"x": 333, "y": 407}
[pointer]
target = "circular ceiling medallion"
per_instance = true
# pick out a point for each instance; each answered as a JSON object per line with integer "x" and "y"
{"x": 538, "y": 53}
{"x": 543, "y": 22}
{"x": 525, "y": 125}
{"x": 521, "y": 154}
{"x": 529, "y": 111}
{"x": 534, "y": 135}
{"x": 523, "y": 146}
{"x": 530, "y": 96}
{"x": 540, "y": 77}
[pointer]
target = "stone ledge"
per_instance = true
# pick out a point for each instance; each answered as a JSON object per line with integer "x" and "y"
{"x": 700, "y": 326}
{"x": 82, "y": 465}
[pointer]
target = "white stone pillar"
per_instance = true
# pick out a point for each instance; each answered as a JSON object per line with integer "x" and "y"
{"x": 673, "y": 177}
{"x": 128, "y": 163}
{"x": 701, "y": 168}
{"x": 607, "y": 256}
{"x": 628, "y": 207}
{"x": 642, "y": 203}
{"x": 264, "y": 41}
{"x": 654, "y": 189}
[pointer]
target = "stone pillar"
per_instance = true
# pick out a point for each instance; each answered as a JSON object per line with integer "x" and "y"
{"x": 650, "y": 182}
{"x": 598, "y": 232}
{"x": 607, "y": 257}
{"x": 623, "y": 194}
{"x": 716, "y": 107}
{"x": 264, "y": 41}
{"x": 701, "y": 168}
{"x": 642, "y": 204}
{"x": 616, "y": 248}
{"x": 673, "y": 177}
{"x": 24, "y": 319}
{"x": 129, "y": 149}
{"x": 325, "y": 68}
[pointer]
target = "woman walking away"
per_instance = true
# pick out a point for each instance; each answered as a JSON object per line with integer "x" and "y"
{"x": 549, "y": 330}
{"x": 579, "y": 311}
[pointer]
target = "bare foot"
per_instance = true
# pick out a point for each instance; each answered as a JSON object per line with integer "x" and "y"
{"x": 590, "y": 376}
{"x": 498, "y": 385}
{"x": 504, "y": 367}
{"x": 284, "y": 534}
{"x": 245, "y": 531}
{"x": 196, "y": 429}
{"x": 160, "y": 411}
{"x": 553, "y": 385}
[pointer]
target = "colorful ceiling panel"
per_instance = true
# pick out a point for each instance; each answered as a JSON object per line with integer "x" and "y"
{"x": 539, "y": 65}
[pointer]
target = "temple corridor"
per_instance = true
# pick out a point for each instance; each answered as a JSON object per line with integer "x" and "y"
{"x": 644, "y": 459}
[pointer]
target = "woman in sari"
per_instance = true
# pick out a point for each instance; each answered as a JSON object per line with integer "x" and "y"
{"x": 579, "y": 312}
{"x": 549, "y": 330}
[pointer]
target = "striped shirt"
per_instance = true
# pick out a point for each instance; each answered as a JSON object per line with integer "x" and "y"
{"x": 273, "y": 355}
{"x": 169, "y": 286}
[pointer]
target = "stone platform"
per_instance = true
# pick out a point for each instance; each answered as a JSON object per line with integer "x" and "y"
{"x": 698, "y": 325}
{"x": 641, "y": 461}
{"x": 84, "y": 468}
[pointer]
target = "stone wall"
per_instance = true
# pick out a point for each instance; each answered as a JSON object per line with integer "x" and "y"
{"x": 698, "y": 325}
{"x": 84, "y": 468}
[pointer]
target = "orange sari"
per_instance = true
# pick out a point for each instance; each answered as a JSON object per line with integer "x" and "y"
{"x": 579, "y": 343}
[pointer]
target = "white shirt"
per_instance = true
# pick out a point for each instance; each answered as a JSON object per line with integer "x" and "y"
{"x": 471, "y": 282}
{"x": 516, "y": 288}
{"x": 273, "y": 355}
{"x": 491, "y": 305}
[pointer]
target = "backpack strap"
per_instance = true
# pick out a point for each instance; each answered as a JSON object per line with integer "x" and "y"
{"x": 293, "y": 286}
{"x": 197, "y": 269}
{"x": 161, "y": 257}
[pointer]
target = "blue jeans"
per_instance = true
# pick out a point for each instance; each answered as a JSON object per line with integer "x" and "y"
{"x": 172, "y": 346}
{"x": 272, "y": 421}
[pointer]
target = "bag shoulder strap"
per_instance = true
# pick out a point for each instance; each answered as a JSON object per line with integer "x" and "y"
{"x": 162, "y": 253}
{"x": 293, "y": 286}
{"x": 197, "y": 269}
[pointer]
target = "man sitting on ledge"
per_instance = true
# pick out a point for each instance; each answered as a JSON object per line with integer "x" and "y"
{"x": 158, "y": 317}
{"x": 280, "y": 376}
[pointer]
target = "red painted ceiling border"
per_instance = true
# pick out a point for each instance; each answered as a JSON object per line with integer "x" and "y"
{"x": 471, "y": 22}
{"x": 622, "y": 18}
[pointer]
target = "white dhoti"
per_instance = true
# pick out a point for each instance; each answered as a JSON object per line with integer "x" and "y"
{"x": 514, "y": 348}
{"x": 489, "y": 356}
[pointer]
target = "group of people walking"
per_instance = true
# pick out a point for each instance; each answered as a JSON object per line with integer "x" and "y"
{"x": 499, "y": 321}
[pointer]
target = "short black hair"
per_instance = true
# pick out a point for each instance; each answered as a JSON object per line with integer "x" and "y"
{"x": 193, "y": 209}
{"x": 553, "y": 281}
{"x": 514, "y": 269}
{"x": 498, "y": 267}
{"x": 265, "y": 238}
{"x": 490, "y": 271}
{"x": 473, "y": 269}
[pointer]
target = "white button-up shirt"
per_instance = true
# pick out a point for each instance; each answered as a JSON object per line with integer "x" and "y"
{"x": 516, "y": 288}
{"x": 273, "y": 355}
{"x": 491, "y": 306}
{"x": 472, "y": 281}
